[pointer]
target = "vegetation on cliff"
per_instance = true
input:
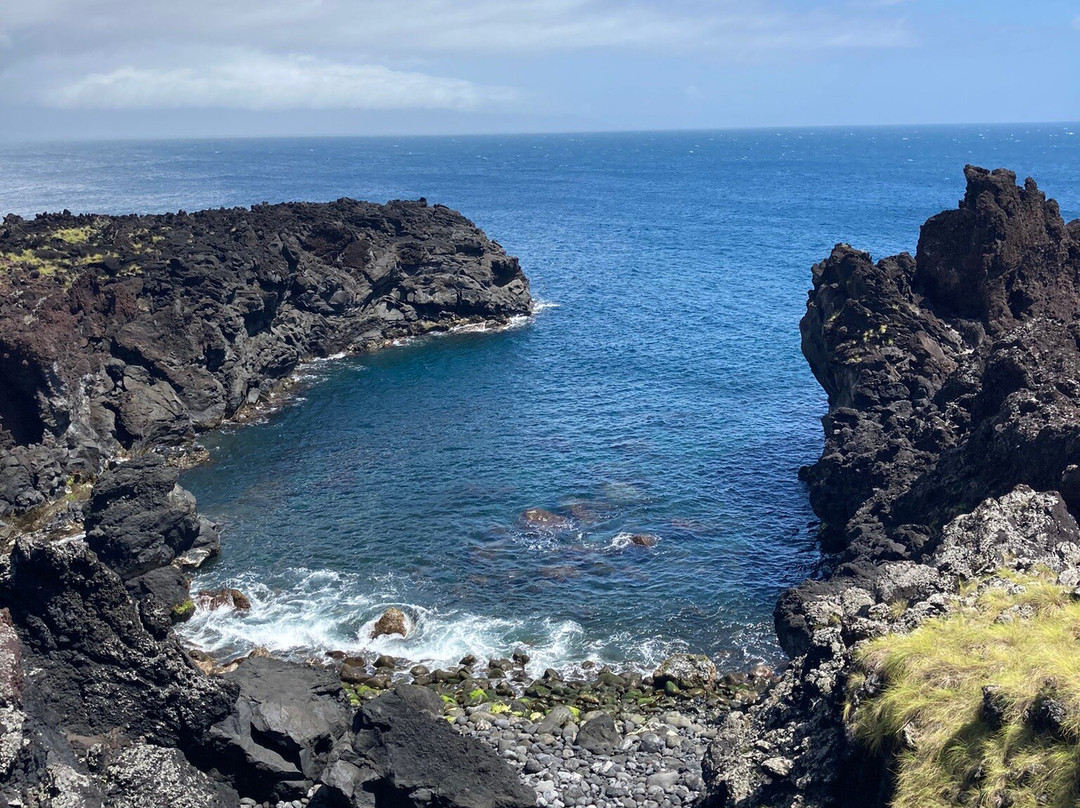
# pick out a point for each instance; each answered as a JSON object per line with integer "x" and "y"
{"x": 982, "y": 706}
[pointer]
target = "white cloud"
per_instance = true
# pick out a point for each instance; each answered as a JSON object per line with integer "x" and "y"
{"x": 259, "y": 81}
{"x": 426, "y": 28}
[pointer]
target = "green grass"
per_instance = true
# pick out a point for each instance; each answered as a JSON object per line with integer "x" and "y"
{"x": 1022, "y": 635}
{"x": 28, "y": 260}
{"x": 75, "y": 235}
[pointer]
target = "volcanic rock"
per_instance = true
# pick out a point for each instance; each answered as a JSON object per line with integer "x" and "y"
{"x": 128, "y": 332}
{"x": 541, "y": 519}
{"x": 275, "y": 740}
{"x": 686, "y": 671}
{"x": 224, "y": 598}
{"x": 954, "y": 417}
{"x": 139, "y": 519}
{"x": 402, "y": 752}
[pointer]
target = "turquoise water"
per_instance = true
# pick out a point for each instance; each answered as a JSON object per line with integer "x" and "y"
{"x": 659, "y": 389}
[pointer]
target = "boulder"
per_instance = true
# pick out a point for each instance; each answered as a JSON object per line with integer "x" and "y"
{"x": 686, "y": 671}
{"x": 599, "y": 735}
{"x": 401, "y": 752}
{"x": 166, "y": 587}
{"x": 275, "y": 740}
{"x": 138, "y": 518}
{"x": 643, "y": 540}
{"x": 392, "y": 621}
{"x": 224, "y": 598}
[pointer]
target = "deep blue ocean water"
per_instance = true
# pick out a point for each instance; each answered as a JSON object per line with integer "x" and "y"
{"x": 660, "y": 389}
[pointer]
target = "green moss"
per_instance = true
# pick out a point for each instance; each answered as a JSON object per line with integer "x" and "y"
{"x": 28, "y": 260}
{"x": 182, "y": 611}
{"x": 1019, "y": 636}
{"x": 75, "y": 235}
{"x": 478, "y": 694}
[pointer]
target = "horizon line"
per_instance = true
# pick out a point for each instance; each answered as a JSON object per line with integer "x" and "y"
{"x": 523, "y": 133}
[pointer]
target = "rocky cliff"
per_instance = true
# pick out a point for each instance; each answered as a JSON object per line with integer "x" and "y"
{"x": 127, "y": 332}
{"x": 121, "y": 337}
{"x": 953, "y": 380}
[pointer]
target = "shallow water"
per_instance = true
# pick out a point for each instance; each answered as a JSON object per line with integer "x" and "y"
{"x": 660, "y": 389}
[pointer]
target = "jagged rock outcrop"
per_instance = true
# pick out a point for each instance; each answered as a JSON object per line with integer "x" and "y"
{"x": 93, "y": 684}
{"x": 100, "y": 662}
{"x": 954, "y": 396}
{"x": 138, "y": 331}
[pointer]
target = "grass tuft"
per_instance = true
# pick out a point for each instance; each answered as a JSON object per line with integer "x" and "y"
{"x": 1020, "y": 637}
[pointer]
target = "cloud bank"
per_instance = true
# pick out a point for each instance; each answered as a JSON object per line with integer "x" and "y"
{"x": 259, "y": 81}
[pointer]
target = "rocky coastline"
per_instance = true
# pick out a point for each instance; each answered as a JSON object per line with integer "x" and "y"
{"x": 951, "y": 452}
{"x": 951, "y": 444}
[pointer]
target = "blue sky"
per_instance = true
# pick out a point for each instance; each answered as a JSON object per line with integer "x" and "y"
{"x": 121, "y": 68}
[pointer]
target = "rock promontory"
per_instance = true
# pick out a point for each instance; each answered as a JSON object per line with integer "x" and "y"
{"x": 121, "y": 333}
{"x": 952, "y": 441}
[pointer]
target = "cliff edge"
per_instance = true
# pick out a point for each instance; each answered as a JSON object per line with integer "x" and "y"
{"x": 951, "y": 443}
{"x": 120, "y": 333}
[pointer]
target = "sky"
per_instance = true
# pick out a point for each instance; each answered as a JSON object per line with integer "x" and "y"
{"x": 193, "y": 68}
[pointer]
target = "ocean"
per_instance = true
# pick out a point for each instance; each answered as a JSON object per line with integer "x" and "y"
{"x": 659, "y": 389}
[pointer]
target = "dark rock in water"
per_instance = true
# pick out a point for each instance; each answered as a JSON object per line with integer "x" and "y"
{"x": 139, "y": 519}
{"x": 276, "y": 738}
{"x": 643, "y": 540}
{"x": 401, "y": 752}
{"x": 224, "y": 598}
{"x": 143, "y": 330}
{"x": 392, "y": 621}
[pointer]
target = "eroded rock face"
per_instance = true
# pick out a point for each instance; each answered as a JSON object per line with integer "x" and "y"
{"x": 98, "y": 660}
{"x": 98, "y": 704}
{"x": 954, "y": 418}
{"x": 138, "y": 518}
{"x": 136, "y": 331}
{"x": 951, "y": 377}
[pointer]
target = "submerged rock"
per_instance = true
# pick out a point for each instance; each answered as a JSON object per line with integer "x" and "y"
{"x": 541, "y": 519}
